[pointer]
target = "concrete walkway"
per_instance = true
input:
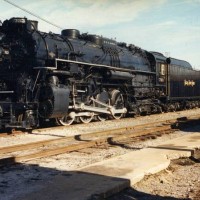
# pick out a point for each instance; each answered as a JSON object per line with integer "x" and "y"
{"x": 104, "y": 178}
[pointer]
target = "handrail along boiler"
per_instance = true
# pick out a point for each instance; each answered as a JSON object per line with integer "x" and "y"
{"x": 71, "y": 77}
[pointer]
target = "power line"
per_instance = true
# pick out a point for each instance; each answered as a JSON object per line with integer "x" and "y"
{"x": 33, "y": 14}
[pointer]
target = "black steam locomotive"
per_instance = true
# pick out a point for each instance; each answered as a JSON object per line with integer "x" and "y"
{"x": 71, "y": 77}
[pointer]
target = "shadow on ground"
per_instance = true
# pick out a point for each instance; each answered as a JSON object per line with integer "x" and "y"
{"x": 131, "y": 194}
{"x": 33, "y": 182}
{"x": 191, "y": 126}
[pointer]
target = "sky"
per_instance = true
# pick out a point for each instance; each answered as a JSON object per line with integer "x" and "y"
{"x": 171, "y": 27}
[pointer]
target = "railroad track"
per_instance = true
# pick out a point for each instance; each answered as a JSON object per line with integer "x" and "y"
{"x": 35, "y": 150}
{"x": 15, "y": 132}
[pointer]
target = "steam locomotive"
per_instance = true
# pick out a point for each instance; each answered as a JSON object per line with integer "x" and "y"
{"x": 71, "y": 77}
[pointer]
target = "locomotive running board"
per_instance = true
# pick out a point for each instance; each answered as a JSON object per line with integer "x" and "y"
{"x": 100, "y": 66}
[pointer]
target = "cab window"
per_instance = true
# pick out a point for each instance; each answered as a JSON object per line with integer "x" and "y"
{"x": 162, "y": 69}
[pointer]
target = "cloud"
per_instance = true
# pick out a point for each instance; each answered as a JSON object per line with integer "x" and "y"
{"x": 83, "y": 14}
{"x": 103, "y": 13}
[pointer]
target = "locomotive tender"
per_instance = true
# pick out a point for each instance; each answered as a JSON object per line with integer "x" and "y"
{"x": 71, "y": 77}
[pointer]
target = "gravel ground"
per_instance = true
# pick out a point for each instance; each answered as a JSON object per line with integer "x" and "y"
{"x": 181, "y": 180}
{"x": 24, "y": 178}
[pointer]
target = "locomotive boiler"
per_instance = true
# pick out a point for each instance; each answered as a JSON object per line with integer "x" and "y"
{"x": 71, "y": 77}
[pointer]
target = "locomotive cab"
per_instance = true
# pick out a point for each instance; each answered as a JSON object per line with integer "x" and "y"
{"x": 161, "y": 74}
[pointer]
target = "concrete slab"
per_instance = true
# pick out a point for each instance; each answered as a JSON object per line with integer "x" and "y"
{"x": 104, "y": 178}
